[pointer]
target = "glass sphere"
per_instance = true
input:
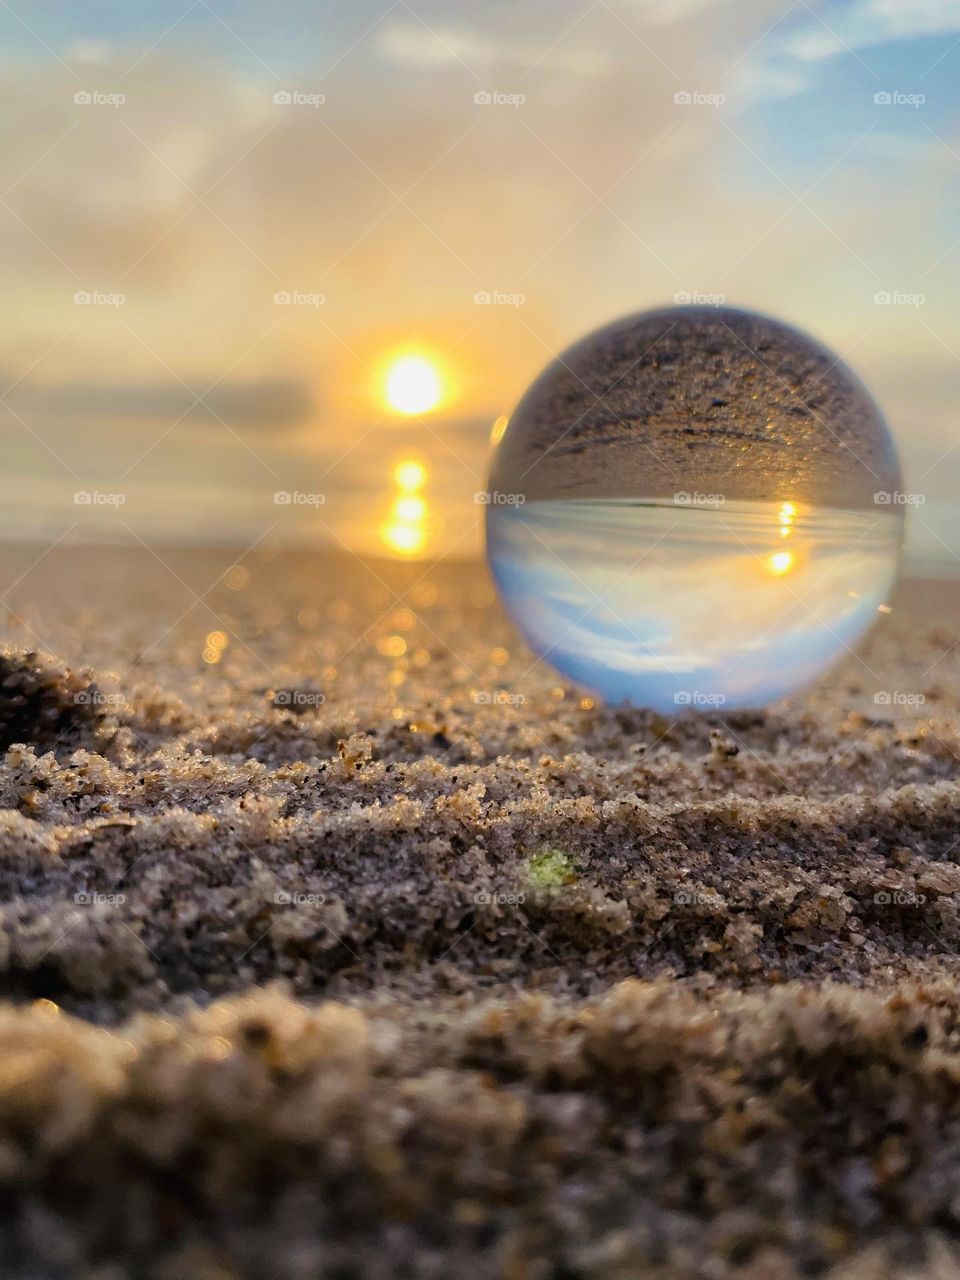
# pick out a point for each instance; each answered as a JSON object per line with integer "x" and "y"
{"x": 694, "y": 506}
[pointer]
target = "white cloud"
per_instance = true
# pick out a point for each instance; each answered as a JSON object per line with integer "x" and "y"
{"x": 874, "y": 21}
{"x": 784, "y": 61}
{"x": 869, "y": 23}
{"x": 415, "y": 45}
{"x": 759, "y": 82}
{"x": 668, "y": 12}
{"x": 813, "y": 44}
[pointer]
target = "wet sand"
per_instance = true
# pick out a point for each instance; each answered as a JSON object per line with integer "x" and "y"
{"x": 341, "y": 939}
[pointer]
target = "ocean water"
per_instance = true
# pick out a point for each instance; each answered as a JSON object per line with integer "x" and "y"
{"x": 703, "y": 605}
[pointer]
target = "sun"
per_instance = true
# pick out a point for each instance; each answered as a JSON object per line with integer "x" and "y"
{"x": 780, "y": 562}
{"x": 413, "y": 384}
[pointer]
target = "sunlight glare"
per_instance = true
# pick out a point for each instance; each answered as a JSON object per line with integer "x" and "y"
{"x": 409, "y": 475}
{"x": 409, "y": 508}
{"x": 406, "y": 530}
{"x": 499, "y": 429}
{"x": 413, "y": 385}
{"x": 788, "y": 513}
{"x": 407, "y": 539}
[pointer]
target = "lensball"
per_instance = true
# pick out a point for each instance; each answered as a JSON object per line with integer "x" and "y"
{"x": 695, "y": 506}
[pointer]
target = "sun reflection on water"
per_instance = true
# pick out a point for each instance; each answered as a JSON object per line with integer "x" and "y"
{"x": 780, "y": 562}
{"x": 406, "y": 529}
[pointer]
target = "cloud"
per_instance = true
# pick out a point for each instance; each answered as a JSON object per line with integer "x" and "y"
{"x": 667, "y": 12}
{"x": 873, "y": 22}
{"x": 862, "y": 25}
{"x": 419, "y": 46}
{"x": 786, "y": 58}
{"x": 274, "y": 402}
{"x": 415, "y": 45}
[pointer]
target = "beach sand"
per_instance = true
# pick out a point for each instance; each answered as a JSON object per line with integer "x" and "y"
{"x": 341, "y": 939}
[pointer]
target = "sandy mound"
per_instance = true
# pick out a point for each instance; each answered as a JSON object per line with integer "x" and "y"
{"x": 342, "y": 940}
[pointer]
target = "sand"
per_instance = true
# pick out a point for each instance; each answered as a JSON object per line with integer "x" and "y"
{"x": 340, "y": 939}
{"x": 705, "y": 399}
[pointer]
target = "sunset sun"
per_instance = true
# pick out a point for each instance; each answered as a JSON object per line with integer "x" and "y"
{"x": 413, "y": 384}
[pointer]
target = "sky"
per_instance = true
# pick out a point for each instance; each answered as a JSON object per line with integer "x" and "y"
{"x": 221, "y": 224}
{"x": 654, "y": 605}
